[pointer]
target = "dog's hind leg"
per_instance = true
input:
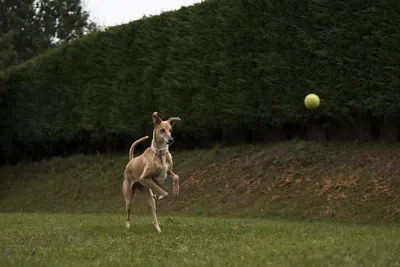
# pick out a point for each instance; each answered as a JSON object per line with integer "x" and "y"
{"x": 152, "y": 204}
{"x": 128, "y": 191}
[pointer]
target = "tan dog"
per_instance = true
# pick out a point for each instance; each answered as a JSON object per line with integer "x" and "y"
{"x": 147, "y": 171}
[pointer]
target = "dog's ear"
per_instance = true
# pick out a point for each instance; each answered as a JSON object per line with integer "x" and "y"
{"x": 172, "y": 120}
{"x": 156, "y": 119}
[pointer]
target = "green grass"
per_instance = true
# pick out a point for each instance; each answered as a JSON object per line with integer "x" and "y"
{"x": 286, "y": 204}
{"x": 296, "y": 180}
{"x": 42, "y": 239}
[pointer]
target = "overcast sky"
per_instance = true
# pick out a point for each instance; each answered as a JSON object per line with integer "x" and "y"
{"x": 114, "y": 12}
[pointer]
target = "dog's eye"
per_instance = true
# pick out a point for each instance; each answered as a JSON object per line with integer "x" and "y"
{"x": 162, "y": 130}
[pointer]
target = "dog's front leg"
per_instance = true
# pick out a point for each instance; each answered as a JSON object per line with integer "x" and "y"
{"x": 145, "y": 179}
{"x": 175, "y": 182}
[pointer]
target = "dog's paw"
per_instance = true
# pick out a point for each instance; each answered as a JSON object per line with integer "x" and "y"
{"x": 176, "y": 191}
{"x": 156, "y": 197}
{"x": 157, "y": 226}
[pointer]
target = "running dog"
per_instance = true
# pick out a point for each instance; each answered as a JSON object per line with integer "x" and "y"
{"x": 147, "y": 171}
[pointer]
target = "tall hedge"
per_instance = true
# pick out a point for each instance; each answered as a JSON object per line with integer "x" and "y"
{"x": 231, "y": 69}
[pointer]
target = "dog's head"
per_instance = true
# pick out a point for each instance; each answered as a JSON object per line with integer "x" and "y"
{"x": 163, "y": 129}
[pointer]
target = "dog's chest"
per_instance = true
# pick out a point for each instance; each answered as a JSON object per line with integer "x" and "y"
{"x": 163, "y": 172}
{"x": 162, "y": 176}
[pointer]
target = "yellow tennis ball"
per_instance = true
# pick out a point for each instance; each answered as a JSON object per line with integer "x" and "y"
{"x": 311, "y": 101}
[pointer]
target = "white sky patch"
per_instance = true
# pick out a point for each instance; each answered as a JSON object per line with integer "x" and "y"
{"x": 114, "y": 12}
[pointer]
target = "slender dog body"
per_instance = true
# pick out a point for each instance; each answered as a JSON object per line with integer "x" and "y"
{"x": 149, "y": 170}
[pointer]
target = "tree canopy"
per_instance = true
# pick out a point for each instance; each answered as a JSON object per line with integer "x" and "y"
{"x": 30, "y": 27}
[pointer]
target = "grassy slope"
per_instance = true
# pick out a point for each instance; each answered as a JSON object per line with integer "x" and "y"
{"x": 291, "y": 180}
{"x": 101, "y": 240}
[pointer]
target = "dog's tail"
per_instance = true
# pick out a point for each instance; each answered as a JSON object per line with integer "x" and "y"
{"x": 134, "y": 145}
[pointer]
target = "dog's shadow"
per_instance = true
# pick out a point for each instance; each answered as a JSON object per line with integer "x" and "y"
{"x": 167, "y": 225}
{"x": 138, "y": 228}
{"x": 120, "y": 229}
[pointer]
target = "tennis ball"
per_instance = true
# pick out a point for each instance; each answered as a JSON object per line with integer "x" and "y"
{"x": 311, "y": 101}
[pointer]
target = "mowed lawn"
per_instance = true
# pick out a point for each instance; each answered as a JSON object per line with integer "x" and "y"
{"x": 101, "y": 240}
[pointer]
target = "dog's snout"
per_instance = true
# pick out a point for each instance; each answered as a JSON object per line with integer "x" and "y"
{"x": 170, "y": 140}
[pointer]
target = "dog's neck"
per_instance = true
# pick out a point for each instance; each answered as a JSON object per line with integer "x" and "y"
{"x": 159, "y": 148}
{"x": 159, "y": 151}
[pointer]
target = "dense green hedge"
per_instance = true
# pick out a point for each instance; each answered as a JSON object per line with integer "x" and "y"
{"x": 227, "y": 68}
